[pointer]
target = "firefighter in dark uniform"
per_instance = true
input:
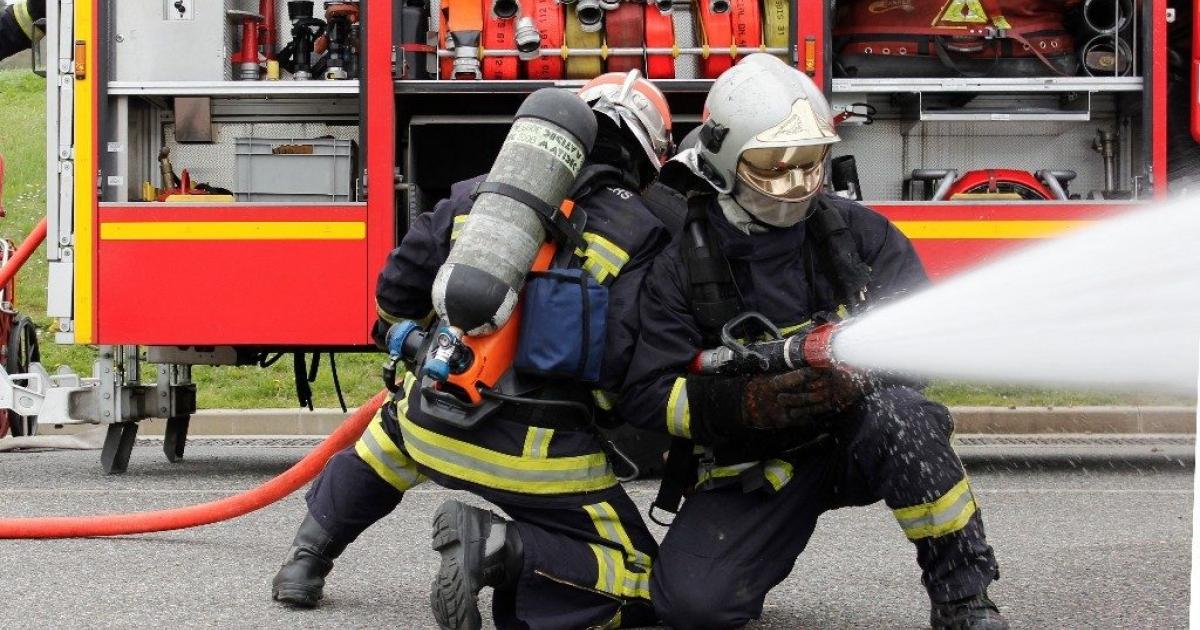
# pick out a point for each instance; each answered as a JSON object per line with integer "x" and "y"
{"x": 17, "y": 29}
{"x": 576, "y": 553}
{"x": 764, "y": 456}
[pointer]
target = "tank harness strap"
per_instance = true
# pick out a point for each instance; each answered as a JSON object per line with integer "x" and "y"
{"x": 678, "y": 475}
{"x": 712, "y": 291}
{"x": 555, "y": 222}
{"x": 835, "y": 244}
{"x": 713, "y": 297}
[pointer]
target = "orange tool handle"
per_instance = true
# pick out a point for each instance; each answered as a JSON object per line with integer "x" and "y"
{"x": 494, "y": 353}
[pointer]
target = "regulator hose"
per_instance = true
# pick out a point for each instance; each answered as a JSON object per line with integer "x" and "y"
{"x": 237, "y": 505}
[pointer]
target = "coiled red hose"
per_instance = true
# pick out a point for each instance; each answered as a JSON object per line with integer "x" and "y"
{"x": 237, "y": 505}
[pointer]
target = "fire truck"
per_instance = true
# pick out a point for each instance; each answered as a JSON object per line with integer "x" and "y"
{"x": 225, "y": 179}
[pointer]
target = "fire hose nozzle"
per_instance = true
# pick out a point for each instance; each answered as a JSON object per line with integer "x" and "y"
{"x": 718, "y": 6}
{"x": 505, "y": 9}
{"x": 818, "y": 346}
{"x": 590, "y": 14}
{"x": 528, "y": 39}
{"x": 664, "y": 6}
{"x": 466, "y": 63}
{"x": 811, "y": 346}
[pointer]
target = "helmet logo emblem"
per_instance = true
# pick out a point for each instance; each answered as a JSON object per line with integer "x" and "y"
{"x": 801, "y": 125}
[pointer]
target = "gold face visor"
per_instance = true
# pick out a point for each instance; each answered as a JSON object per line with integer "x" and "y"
{"x": 784, "y": 173}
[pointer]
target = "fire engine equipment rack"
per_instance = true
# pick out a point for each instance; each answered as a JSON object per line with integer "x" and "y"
{"x": 213, "y": 284}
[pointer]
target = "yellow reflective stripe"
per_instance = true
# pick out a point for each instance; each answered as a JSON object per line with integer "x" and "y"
{"x": 386, "y": 459}
{"x": 603, "y": 399}
{"x": 598, "y": 271}
{"x": 24, "y": 19}
{"x": 609, "y": 563}
{"x": 84, "y": 201}
{"x": 945, "y": 515}
{"x": 234, "y": 231}
{"x": 635, "y": 582}
{"x": 493, "y": 469}
{"x": 636, "y": 585}
{"x": 537, "y": 442}
{"x": 788, "y": 330}
{"x": 679, "y": 412}
{"x": 609, "y": 526}
{"x": 606, "y": 249}
{"x": 614, "y": 578}
{"x": 603, "y": 258}
{"x": 459, "y": 222}
{"x": 777, "y": 473}
{"x": 986, "y": 229}
{"x": 722, "y": 472}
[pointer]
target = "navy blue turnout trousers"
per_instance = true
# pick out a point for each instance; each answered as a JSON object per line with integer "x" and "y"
{"x": 728, "y": 546}
{"x": 586, "y": 564}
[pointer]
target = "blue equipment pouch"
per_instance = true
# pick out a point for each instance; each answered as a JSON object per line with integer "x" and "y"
{"x": 563, "y": 325}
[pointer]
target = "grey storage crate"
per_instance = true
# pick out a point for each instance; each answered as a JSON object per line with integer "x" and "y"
{"x": 324, "y": 176}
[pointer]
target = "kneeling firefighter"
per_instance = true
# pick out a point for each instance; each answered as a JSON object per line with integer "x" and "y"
{"x": 575, "y": 553}
{"x": 762, "y": 454}
{"x": 18, "y": 28}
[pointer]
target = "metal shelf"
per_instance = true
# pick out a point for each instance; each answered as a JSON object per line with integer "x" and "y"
{"x": 429, "y": 86}
{"x": 849, "y": 86}
{"x": 1037, "y": 84}
{"x": 234, "y": 88}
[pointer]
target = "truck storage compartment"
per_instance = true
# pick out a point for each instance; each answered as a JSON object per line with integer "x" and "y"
{"x": 316, "y": 170}
{"x": 996, "y": 38}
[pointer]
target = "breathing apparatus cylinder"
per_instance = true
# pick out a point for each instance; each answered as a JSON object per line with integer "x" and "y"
{"x": 476, "y": 288}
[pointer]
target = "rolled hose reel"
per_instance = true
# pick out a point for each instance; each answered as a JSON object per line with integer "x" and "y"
{"x": 537, "y": 39}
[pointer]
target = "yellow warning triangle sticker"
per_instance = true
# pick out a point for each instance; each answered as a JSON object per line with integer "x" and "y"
{"x": 963, "y": 12}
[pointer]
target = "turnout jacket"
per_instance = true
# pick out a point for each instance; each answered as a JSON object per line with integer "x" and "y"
{"x": 525, "y": 453}
{"x": 17, "y": 31}
{"x": 778, "y": 274}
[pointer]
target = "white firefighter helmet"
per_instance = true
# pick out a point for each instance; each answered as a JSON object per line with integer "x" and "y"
{"x": 637, "y": 105}
{"x": 768, "y": 128}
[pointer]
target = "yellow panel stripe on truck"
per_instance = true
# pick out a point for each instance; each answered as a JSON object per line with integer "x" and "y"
{"x": 986, "y": 229}
{"x": 234, "y": 231}
{"x": 85, "y": 173}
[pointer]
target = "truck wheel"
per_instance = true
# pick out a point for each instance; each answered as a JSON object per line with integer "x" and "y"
{"x": 22, "y": 351}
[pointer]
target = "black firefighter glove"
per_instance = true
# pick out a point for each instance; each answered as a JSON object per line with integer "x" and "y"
{"x": 800, "y": 398}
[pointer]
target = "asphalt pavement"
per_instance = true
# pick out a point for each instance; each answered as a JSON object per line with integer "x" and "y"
{"x": 1085, "y": 540}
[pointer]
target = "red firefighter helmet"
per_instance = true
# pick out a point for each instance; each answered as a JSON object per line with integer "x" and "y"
{"x": 637, "y": 105}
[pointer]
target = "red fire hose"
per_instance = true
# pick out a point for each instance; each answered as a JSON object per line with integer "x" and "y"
{"x": 499, "y": 34}
{"x": 660, "y": 33}
{"x": 204, "y": 513}
{"x": 24, "y": 251}
{"x": 1196, "y": 70}
{"x": 718, "y": 36}
{"x": 625, "y": 27}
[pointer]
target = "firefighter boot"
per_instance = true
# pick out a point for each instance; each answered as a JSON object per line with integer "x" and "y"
{"x": 478, "y": 549}
{"x": 301, "y": 579}
{"x": 971, "y": 613}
